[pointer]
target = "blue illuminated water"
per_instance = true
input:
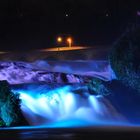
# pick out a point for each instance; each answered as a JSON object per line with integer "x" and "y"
{"x": 65, "y": 106}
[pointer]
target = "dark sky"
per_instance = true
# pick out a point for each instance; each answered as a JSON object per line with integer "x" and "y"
{"x": 36, "y": 23}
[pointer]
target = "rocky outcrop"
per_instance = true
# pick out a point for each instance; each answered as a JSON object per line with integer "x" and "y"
{"x": 125, "y": 59}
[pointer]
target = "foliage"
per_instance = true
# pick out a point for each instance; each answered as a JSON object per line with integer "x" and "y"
{"x": 2, "y": 124}
{"x": 10, "y": 113}
{"x": 99, "y": 87}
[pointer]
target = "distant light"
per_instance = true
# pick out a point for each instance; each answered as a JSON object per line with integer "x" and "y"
{"x": 107, "y": 15}
{"x": 67, "y": 15}
{"x": 59, "y": 39}
{"x": 138, "y": 13}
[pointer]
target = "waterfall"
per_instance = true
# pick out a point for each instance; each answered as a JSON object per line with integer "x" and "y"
{"x": 67, "y": 105}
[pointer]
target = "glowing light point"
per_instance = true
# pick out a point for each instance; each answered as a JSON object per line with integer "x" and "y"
{"x": 59, "y": 39}
{"x": 107, "y": 15}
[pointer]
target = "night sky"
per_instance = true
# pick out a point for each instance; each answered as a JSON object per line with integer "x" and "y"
{"x": 34, "y": 24}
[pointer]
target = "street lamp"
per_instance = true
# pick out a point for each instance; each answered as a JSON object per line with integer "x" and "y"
{"x": 69, "y": 40}
{"x": 59, "y": 39}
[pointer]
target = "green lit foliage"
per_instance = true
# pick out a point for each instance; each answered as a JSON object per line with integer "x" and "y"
{"x": 2, "y": 124}
{"x": 10, "y": 113}
{"x": 98, "y": 87}
{"x": 125, "y": 59}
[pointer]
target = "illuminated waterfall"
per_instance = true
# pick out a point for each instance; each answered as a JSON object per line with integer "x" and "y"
{"x": 64, "y": 104}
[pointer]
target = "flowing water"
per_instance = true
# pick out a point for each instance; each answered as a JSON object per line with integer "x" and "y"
{"x": 53, "y": 108}
{"x": 65, "y": 106}
{"x": 56, "y": 105}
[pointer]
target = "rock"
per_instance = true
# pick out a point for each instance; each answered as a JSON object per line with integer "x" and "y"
{"x": 125, "y": 59}
{"x": 99, "y": 87}
{"x": 10, "y": 112}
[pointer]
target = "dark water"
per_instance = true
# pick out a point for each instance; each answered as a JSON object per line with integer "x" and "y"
{"x": 96, "y": 133}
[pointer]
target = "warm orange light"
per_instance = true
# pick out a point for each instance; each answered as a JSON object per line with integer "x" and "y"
{"x": 69, "y": 40}
{"x": 59, "y": 39}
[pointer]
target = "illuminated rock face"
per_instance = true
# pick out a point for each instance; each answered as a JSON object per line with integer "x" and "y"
{"x": 55, "y": 72}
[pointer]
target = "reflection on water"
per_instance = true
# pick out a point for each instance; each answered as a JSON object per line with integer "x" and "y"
{"x": 96, "y": 132}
